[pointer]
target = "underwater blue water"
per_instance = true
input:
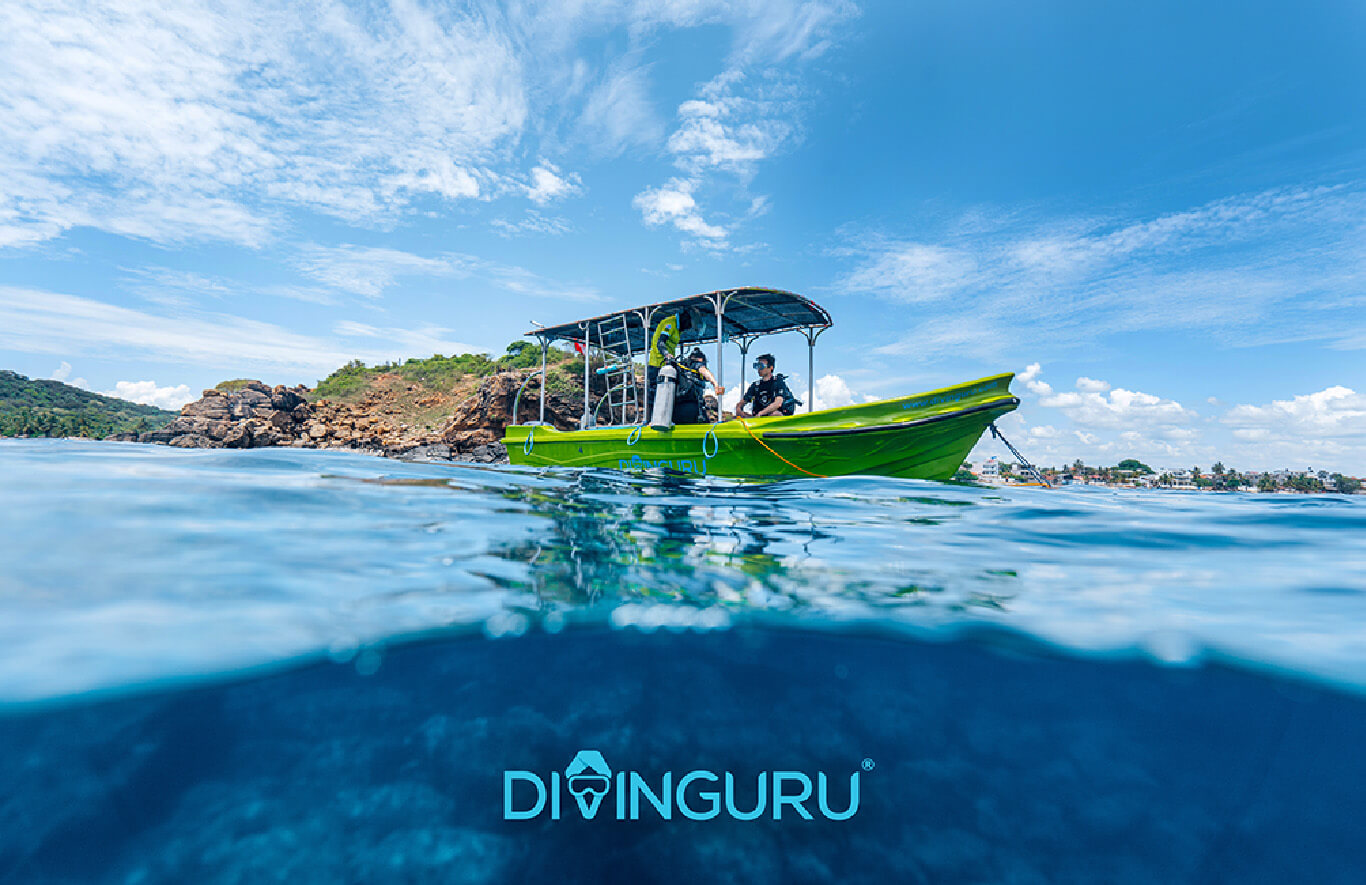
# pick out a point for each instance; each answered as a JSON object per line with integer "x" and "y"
{"x": 303, "y": 666}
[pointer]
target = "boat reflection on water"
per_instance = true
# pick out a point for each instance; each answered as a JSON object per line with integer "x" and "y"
{"x": 607, "y": 537}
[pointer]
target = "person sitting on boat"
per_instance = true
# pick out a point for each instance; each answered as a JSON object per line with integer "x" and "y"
{"x": 663, "y": 347}
{"x": 690, "y": 403}
{"x": 769, "y": 395}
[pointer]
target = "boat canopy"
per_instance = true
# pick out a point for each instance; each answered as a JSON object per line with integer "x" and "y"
{"x": 744, "y": 314}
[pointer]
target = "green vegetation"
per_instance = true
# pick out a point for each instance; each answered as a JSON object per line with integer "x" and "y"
{"x": 234, "y": 384}
{"x": 444, "y": 372}
{"x": 1133, "y": 465}
{"x": 51, "y": 408}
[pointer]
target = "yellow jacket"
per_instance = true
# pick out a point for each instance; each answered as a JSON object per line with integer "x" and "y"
{"x": 665, "y": 341}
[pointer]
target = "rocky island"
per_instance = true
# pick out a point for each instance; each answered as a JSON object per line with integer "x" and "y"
{"x": 446, "y": 408}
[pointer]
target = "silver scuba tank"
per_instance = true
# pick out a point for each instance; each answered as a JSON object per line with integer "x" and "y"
{"x": 662, "y": 415}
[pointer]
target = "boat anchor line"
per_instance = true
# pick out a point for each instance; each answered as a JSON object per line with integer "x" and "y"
{"x": 775, "y": 454}
{"x": 1022, "y": 459}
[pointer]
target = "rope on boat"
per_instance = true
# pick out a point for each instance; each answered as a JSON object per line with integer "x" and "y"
{"x": 775, "y": 454}
{"x": 715, "y": 442}
{"x": 1021, "y": 458}
{"x": 530, "y": 442}
{"x": 635, "y": 435}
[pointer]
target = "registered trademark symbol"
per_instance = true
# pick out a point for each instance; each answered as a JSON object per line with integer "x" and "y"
{"x": 869, "y": 765}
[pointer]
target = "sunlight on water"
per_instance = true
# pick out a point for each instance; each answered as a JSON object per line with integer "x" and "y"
{"x": 127, "y": 564}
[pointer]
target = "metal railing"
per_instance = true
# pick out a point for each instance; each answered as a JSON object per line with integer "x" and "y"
{"x": 517, "y": 400}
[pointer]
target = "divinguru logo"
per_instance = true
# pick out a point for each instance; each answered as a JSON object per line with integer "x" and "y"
{"x": 697, "y": 795}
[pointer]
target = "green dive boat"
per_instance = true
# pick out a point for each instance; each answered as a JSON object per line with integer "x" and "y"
{"x": 922, "y": 436}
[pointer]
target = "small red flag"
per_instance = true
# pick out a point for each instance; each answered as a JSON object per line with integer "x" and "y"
{"x": 578, "y": 347}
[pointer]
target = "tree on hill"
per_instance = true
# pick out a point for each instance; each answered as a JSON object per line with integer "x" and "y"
{"x": 1133, "y": 465}
{"x": 42, "y": 407}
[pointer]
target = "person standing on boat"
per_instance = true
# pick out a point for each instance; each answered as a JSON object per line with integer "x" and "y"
{"x": 769, "y": 395}
{"x": 691, "y": 406}
{"x": 663, "y": 347}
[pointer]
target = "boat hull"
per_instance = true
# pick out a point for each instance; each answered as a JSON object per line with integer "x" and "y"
{"x": 924, "y": 436}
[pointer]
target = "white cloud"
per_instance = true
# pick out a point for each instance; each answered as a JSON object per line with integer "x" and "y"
{"x": 722, "y": 129}
{"x": 1030, "y": 378}
{"x": 368, "y": 271}
{"x": 832, "y": 391}
{"x": 149, "y": 394}
{"x": 204, "y": 121}
{"x": 673, "y": 203}
{"x": 198, "y": 120}
{"x": 531, "y": 223}
{"x": 1094, "y": 405}
{"x": 743, "y": 115}
{"x": 425, "y": 340}
{"x": 618, "y": 113}
{"x": 1091, "y": 385}
{"x": 1118, "y": 409}
{"x": 33, "y": 321}
{"x": 1334, "y": 413}
{"x": 547, "y": 184}
{"x": 63, "y": 372}
{"x": 1294, "y": 257}
{"x": 912, "y": 272}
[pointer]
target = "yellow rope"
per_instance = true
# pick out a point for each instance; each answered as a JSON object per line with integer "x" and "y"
{"x": 775, "y": 454}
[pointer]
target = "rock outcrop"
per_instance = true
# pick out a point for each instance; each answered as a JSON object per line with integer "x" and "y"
{"x": 252, "y": 416}
{"x": 482, "y": 418}
{"x": 256, "y": 416}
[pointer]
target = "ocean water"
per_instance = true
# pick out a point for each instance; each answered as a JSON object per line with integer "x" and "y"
{"x": 303, "y": 666}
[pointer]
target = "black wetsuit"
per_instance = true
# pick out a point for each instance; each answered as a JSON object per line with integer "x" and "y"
{"x": 688, "y": 400}
{"x": 763, "y": 393}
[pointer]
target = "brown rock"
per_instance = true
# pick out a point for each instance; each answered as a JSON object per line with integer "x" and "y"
{"x": 195, "y": 441}
{"x": 284, "y": 399}
{"x": 209, "y": 407}
{"x": 188, "y": 424}
{"x": 237, "y": 437}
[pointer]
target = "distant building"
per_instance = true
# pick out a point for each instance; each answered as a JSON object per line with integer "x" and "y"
{"x": 991, "y": 470}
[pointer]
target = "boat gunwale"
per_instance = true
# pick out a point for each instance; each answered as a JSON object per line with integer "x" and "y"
{"x": 803, "y": 417}
{"x": 1009, "y": 403}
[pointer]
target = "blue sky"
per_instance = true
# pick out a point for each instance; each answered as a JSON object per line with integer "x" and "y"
{"x": 1155, "y": 212}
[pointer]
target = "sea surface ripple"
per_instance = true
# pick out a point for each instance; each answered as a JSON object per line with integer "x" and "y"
{"x": 124, "y": 566}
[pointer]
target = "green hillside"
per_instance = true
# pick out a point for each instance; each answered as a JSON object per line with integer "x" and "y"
{"x": 51, "y": 408}
{"x": 355, "y": 379}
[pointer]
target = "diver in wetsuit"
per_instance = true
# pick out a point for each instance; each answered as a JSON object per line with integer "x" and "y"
{"x": 770, "y": 394}
{"x": 690, "y": 405}
{"x": 663, "y": 345}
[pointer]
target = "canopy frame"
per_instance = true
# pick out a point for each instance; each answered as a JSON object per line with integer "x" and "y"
{"x": 742, "y": 314}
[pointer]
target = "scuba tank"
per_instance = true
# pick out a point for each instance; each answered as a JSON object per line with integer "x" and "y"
{"x": 662, "y": 415}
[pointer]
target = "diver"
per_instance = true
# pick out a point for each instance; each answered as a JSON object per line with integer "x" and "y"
{"x": 770, "y": 394}
{"x": 663, "y": 345}
{"x": 690, "y": 403}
